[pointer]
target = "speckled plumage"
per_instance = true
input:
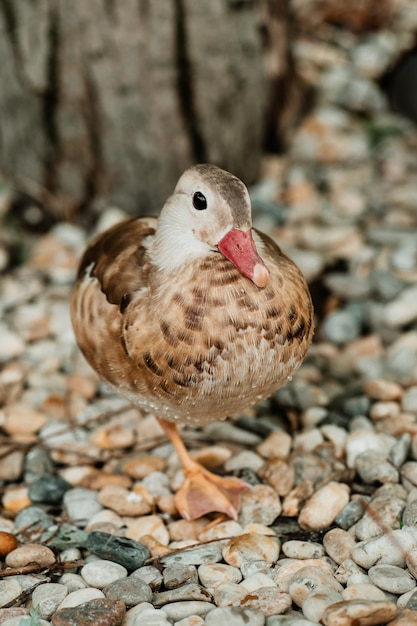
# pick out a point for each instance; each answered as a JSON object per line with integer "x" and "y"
{"x": 195, "y": 341}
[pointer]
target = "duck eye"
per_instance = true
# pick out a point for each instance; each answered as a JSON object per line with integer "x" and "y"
{"x": 199, "y": 201}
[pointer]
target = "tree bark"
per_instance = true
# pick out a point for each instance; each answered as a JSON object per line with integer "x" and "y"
{"x": 108, "y": 101}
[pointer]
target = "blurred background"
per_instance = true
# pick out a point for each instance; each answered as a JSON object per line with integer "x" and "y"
{"x": 107, "y": 103}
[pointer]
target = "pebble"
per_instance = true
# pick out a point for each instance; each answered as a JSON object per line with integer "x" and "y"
{"x": 391, "y": 578}
{"x": 210, "y": 553}
{"x": 324, "y": 505}
{"x": 213, "y": 574}
{"x": 316, "y": 602}
{"x": 131, "y": 591}
{"x": 80, "y": 596}
{"x": 150, "y": 575}
{"x": 8, "y": 542}
{"x": 277, "y": 445}
{"x": 188, "y": 591}
{"x": 151, "y": 525}
{"x": 388, "y": 549}
{"x": 234, "y": 616}
{"x": 81, "y": 504}
{"x": 101, "y": 573}
{"x": 338, "y": 544}
{"x": 48, "y": 489}
{"x": 30, "y": 553}
{"x": 369, "y": 612}
{"x": 97, "y": 612}
{"x": 124, "y": 501}
{"x": 269, "y": 600}
{"x": 145, "y": 613}
{"x": 260, "y": 504}
{"x": 295, "y": 549}
{"x": 181, "y": 609}
{"x": 251, "y": 547}
{"x": 47, "y": 598}
{"x": 363, "y": 591}
{"x": 127, "y": 552}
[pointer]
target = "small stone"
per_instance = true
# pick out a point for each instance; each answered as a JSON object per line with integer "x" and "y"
{"x": 80, "y": 596}
{"x": 65, "y": 536}
{"x": 276, "y": 446}
{"x": 38, "y": 462}
{"x": 315, "y": 603}
{"x": 363, "y": 591}
{"x": 129, "y": 553}
{"x": 244, "y": 459}
{"x": 350, "y": 514}
{"x": 10, "y": 590}
{"x": 391, "y": 578}
{"x": 99, "y": 612}
{"x": 227, "y": 594}
{"x": 341, "y": 327}
{"x": 374, "y": 467}
{"x": 150, "y": 575}
{"x": 251, "y": 547}
{"x": 48, "y": 489}
{"x": 145, "y": 613}
{"x": 210, "y": 553}
{"x": 279, "y": 474}
{"x": 16, "y": 498}
{"x": 131, "y": 591}
{"x": 34, "y": 518}
{"x": 147, "y": 525}
{"x": 81, "y": 504}
{"x": 385, "y": 390}
{"x": 324, "y": 505}
{"x": 177, "y": 574}
{"x": 192, "y": 620}
{"x": 124, "y": 501}
{"x": 260, "y": 504}
{"x": 295, "y": 549}
{"x": 389, "y": 549}
{"x": 338, "y": 544}
{"x": 309, "y": 579}
{"x": 101, "y": 573}
{"x": 189, "y": 591}
{"x": 407, "y": 617}
{"x": 269, "y": 600}
{"x": 409, "y": 400}
{"x": 180, "y": 610}
{"x": 46, "y": 598}
{"x": 8, "y": 542}
{"x": 143, "y": 465}
{"x": 12, "y": 346}
{"x": 223, "y": 530}
{"x": 213, "y": 574}
{"x": 11, "y": 463}
{"x": 367, "y": 612}
{"x": 30, "y": 553}
{"x": 234, "y": 616}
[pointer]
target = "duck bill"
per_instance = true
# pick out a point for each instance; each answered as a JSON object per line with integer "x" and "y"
{"x": 239, "y": 247}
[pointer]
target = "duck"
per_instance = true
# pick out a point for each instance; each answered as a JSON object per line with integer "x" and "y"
{"x": 193, "y": 316}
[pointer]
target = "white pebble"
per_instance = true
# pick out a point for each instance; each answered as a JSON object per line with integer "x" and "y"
{"x": 100, "y": 573}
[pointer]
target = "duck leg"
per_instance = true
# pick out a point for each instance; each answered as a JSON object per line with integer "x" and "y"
{"x": 203, "y": 491}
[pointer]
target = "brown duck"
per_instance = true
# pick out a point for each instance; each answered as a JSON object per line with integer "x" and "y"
{"x": 193, "y": 316}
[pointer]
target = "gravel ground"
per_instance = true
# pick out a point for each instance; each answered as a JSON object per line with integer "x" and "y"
{"x": 327, "y": 534}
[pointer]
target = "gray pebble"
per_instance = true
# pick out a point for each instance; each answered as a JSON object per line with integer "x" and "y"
{"x": 127, "y": 552}
{"x": 341, "y": 327}
{"x": 400, "y": 450}
{"x": 178, "y": 574}
{"x": 48, "y": 489}
{"x": 234, "y": 616}
{"x": 189, "y": 591}
{"x": 47, "y": 598}
{"x": 65, "y": 536}
{"x": 211, "y": 553}
{"x": 101, "y": 573}
{"x": 150, "y": 575}
{"x": 374, "y": 467}
{"x": 10, "y": 589}
{"x": 131, "y": 591}
{"x": 181, "y": 610}
{"x": 38, "y": 462}
{"x": 410, "y": 514}
{"x": 391, "y": 578}
{"x": 32, "y": 517}
{"x": 81, "y": 504}
{"x": 409, "y": 400}
{"x": 350, "y": 514}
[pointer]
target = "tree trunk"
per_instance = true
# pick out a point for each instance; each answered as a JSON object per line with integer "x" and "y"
{"x": 108, "y": 101}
